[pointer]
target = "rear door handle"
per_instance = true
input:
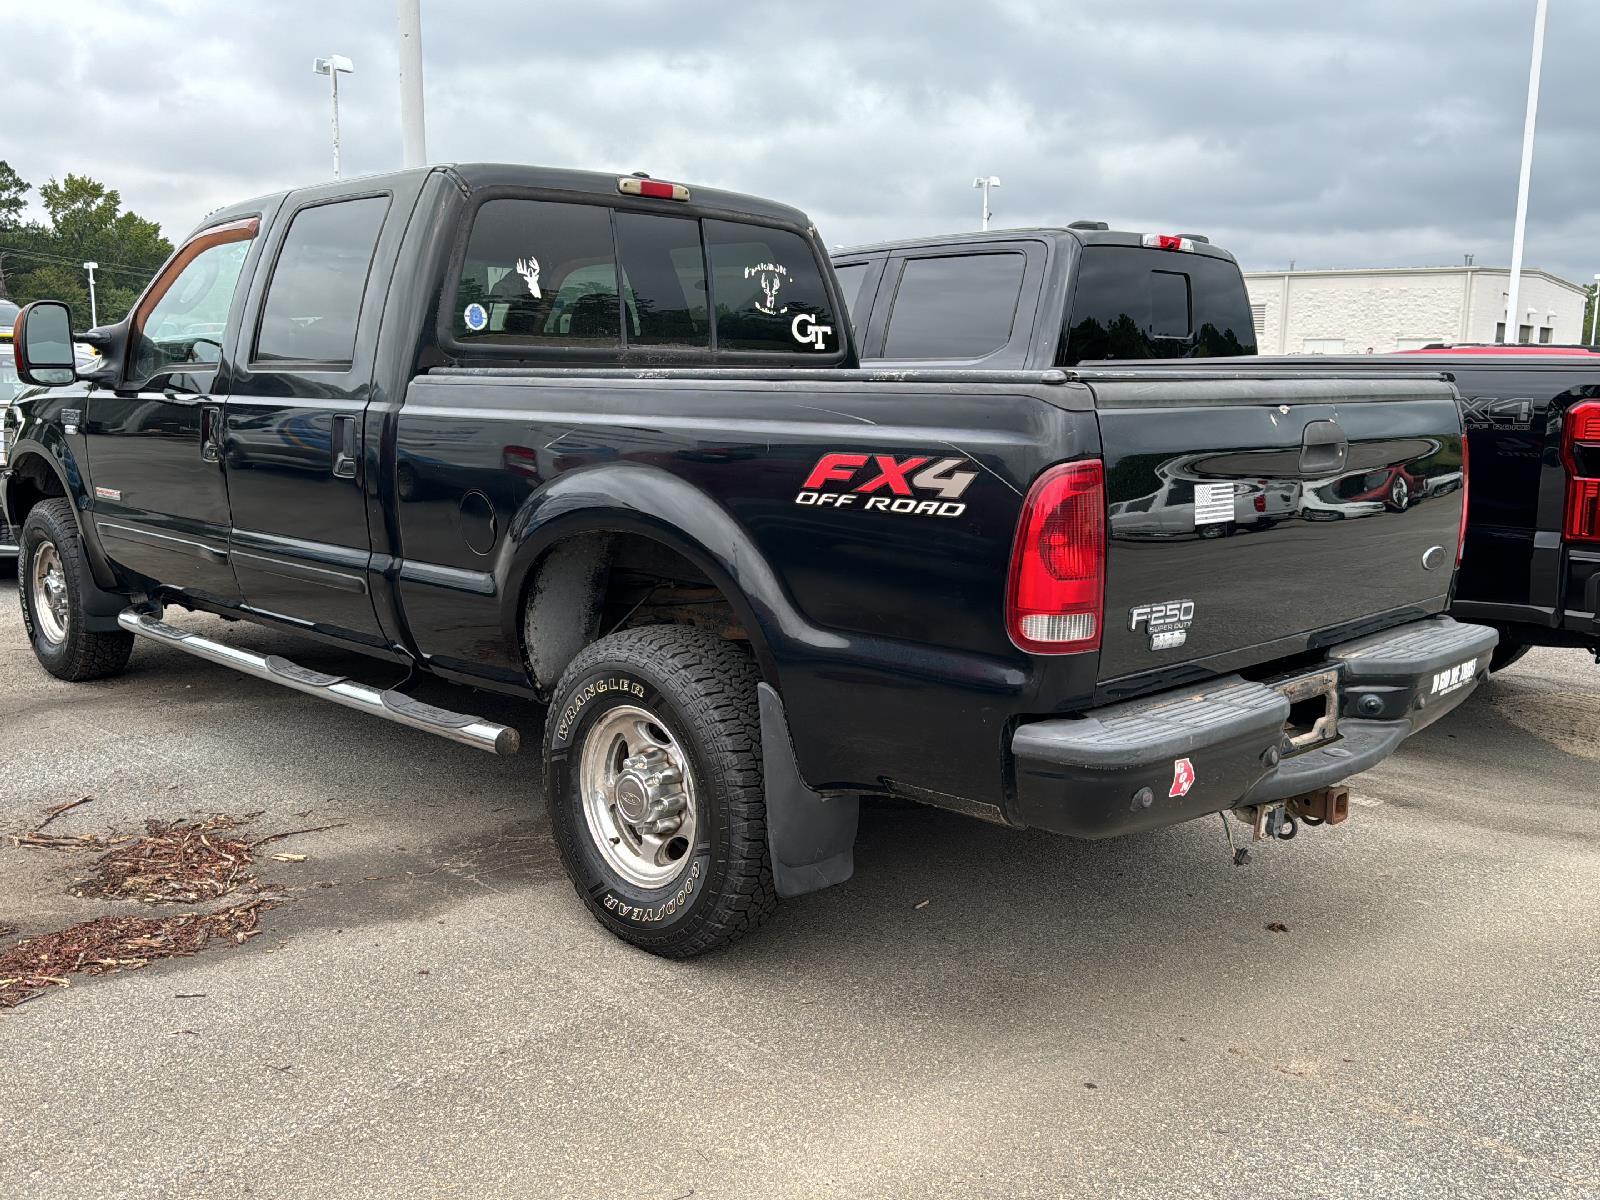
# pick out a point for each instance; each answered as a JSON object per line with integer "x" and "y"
{"x": 344, "y": 447}
{"x": 211, "y": 433}
{"x": 1323, "y": 448}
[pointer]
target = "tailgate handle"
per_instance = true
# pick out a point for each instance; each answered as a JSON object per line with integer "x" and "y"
{"x": 1323, "y": 448}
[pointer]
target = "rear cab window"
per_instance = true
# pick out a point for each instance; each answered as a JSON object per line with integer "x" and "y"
{"x": 589, "y": 281}
{"x": 1132, "y": 302}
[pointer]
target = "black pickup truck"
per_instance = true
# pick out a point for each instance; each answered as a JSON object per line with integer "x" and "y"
{"x": 604, "y": 443}
{"x": 1042, "y": 298}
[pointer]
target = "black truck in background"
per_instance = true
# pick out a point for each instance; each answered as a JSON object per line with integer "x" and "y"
{"x": 603, "y": 443}
{"x": 1033, "y": 299}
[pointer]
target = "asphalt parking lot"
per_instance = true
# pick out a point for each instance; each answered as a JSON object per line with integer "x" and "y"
{"x": 432, "y": 1012}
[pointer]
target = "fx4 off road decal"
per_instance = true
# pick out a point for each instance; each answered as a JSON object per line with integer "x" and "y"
{"x": 919, "y": 486}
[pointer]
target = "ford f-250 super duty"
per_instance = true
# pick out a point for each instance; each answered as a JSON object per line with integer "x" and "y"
{"x": 604, "y": 443}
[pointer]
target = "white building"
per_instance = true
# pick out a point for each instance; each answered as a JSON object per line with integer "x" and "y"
{"x": 1402, "y": 308}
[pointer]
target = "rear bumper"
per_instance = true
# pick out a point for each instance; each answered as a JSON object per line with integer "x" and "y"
{"x": 1121, "y": 768}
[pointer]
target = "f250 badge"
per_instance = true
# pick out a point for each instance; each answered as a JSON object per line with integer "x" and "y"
{"x": 1167, "y": 623}
{"x": 889, "y": 484}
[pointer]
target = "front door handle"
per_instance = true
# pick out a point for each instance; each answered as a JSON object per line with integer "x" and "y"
{"x": 344, "y": 447}
{"x": 211, "y": 433}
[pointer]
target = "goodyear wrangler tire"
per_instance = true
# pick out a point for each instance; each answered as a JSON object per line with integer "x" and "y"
{"x": 653, "y": 780}
{"x": 52, "y": 579}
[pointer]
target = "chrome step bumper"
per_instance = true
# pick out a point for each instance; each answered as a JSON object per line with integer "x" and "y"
{"x": 390, "y": 705}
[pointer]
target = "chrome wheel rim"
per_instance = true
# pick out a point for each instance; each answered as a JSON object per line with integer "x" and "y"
{"x": 638, "y": 796}
{"x": 47, "y": 584}
{"x": 1400, "y": 493}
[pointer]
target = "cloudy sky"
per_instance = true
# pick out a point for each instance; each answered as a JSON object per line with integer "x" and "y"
{"x": 1363, "y": 132}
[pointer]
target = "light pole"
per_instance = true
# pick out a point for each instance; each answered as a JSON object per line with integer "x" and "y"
{"x": 1527, "y": 169}
{"x": 1594, "y": 320}
{"x": 986, "y": 182}
{"x": 413, "y": 131}
{"x": 332, "y": 66}
{"x": 94, "y": 316}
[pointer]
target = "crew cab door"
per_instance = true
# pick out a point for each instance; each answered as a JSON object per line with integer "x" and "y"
{"x": 296, "y": 414}
{"x": 153, "y": 441}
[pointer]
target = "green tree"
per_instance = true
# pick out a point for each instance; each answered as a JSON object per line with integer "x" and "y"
{"x": 85, "y": 222}
{"x": 13, "y": 197}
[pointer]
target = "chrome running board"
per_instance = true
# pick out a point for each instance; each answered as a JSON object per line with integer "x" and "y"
{"x": 390, "y": 705}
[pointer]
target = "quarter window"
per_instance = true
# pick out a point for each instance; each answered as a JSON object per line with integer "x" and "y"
{"x": 851, "y": 277}
{"x": 539, "y": 273}
{"x": 770, "y": 296}
{"x": 958, "y": 306}
{"x": 314, "y": 300}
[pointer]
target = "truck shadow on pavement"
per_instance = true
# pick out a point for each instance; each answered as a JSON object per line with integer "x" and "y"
{"x": 944, "y": 913}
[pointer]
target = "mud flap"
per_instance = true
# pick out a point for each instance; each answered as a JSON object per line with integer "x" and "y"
{"x": 811, "y": 837}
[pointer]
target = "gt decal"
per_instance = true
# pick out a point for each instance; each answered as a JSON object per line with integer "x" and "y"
{"x": 889, "y": 484}
{"x": 1182, "y": 778}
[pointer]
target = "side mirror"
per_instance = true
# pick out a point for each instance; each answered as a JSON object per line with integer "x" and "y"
{"x": 42, "y": 339}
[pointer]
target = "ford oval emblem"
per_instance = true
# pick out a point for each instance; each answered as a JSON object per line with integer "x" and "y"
{"x": 1432, "y": 558}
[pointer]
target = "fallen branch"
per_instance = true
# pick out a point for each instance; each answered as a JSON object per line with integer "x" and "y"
{"x": 52, "y": 813}
{"x": 296, "y": 833}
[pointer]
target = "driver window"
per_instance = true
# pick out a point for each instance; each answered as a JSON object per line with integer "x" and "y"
{"x": 180, "y": 323}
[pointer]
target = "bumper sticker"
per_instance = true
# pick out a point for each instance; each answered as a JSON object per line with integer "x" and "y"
{"x": 1454, "y": 679}
{"x": 1182, "y": 778}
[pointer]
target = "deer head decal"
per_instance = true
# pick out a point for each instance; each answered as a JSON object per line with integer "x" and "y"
{"x": 528, "y": 268}
{"x": 770, "y": 277}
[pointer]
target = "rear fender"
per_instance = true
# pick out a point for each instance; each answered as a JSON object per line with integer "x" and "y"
{"x": 637, "y": 498}
{"x": 810, "y": 837}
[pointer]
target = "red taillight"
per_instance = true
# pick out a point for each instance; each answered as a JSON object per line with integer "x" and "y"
{"x": 1580, "y": 453}
{"x": 1466, "y": 487}
{"x": 1056, "y": 597}
{"x": 655, "y": 189}
{"x": 1166, "y": 241}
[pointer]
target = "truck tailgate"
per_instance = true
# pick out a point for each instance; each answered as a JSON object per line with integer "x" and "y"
{"x": 1247, "y": 515}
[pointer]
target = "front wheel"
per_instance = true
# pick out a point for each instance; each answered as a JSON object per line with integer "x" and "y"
{"x": 653, "y": 778}
{"x": 53, "y": 580}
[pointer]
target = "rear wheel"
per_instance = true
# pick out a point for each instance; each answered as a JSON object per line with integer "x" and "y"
{"x": 52, "y": 580}
{"x": 653, "y": 777}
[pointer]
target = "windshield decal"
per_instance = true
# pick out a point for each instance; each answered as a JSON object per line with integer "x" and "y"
{"x": 770, "y": 276}
{"x": 528, "y": 268}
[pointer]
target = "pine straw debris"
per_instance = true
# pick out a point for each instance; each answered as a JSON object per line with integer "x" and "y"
{"x": 175, "y": 862}
{"x": 109, "y": 944}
